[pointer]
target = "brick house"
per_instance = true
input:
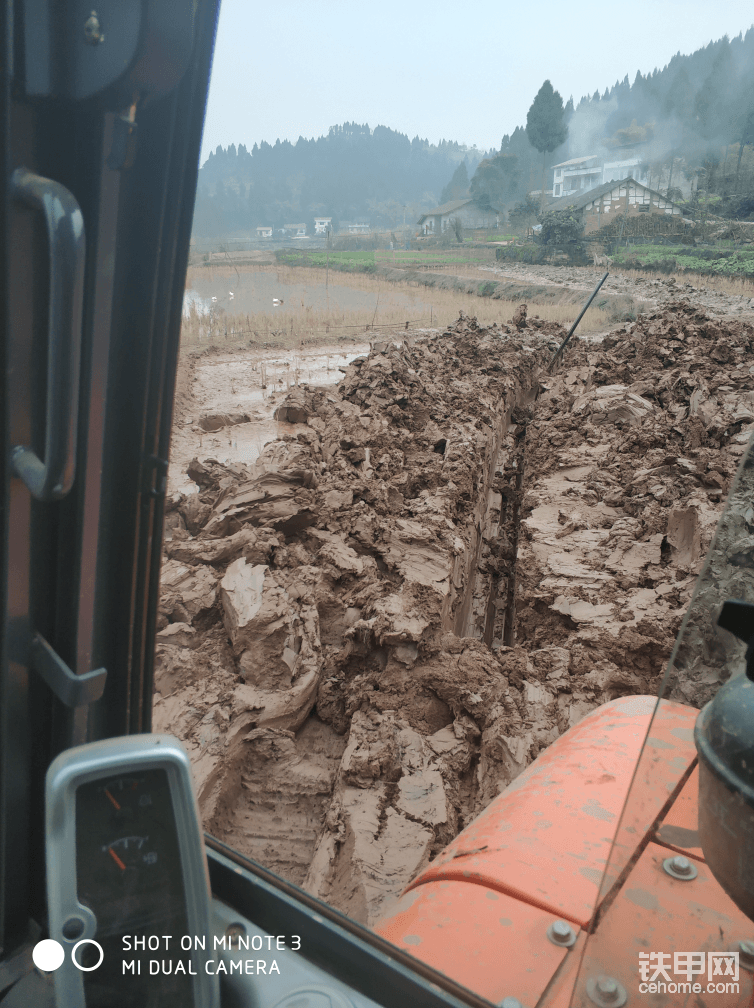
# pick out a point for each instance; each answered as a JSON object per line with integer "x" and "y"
{"x": 467, "y": 211}
{"x": 596, "y": 207}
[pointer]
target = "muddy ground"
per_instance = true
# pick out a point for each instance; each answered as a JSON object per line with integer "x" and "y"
{"x": 225, "y": 400}
{"x": 440, "y": 563}
{"x": 648, "y": 292}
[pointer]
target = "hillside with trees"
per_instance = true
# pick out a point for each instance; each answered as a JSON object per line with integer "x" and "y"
{"x": 692, "y": 122}
{"x": 353, "y": 172}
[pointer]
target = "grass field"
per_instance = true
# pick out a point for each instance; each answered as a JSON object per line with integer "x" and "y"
{"x": 721, "y": 261}
{"x": 405, "y": 259}
{"x": 360, "y": 259}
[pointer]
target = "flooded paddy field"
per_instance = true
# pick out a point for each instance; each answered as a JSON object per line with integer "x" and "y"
{"x": 253, "y": 291}
{"x": 290, "y": 305}
{"x": 285, "y": 305}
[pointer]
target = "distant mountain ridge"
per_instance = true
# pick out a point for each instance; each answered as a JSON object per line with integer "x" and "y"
{"x": 353, "y": 172}
{"x": 695, "y": 115}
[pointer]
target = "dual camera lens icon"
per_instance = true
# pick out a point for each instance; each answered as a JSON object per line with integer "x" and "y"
{"x": 48, "y": 955}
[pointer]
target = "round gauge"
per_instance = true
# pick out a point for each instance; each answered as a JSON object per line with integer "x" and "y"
{"x": 127, "y": 875}
{"x": 130, "y": 852}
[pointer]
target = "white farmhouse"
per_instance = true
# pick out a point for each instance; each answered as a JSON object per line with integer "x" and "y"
{"x": 570, "y": 178}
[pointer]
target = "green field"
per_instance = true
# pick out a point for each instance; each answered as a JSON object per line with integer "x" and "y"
{"x": 451, "y": 257}
{"x": 355, "y": 257}
{"x": 719, "y": 261}
{"x": 368, "y": 260}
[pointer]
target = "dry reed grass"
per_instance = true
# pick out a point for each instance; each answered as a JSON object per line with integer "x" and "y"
{"x": 430, "y": 308}
{"x": 742, "y": 286}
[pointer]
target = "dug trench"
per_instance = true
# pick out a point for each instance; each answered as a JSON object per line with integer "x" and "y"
{"x": 447, "y": 560}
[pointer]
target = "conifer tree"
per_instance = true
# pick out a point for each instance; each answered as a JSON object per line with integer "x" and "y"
{"x": 711, "y": 104}
{"x": 745, "y": 139}
{"x": 545, "y": 126}
{"x": 679, "y": 101}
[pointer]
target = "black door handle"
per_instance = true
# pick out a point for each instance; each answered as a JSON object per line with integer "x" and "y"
{"x": 52, "y": 478}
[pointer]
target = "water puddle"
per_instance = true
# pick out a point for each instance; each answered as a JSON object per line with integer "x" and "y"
{"x": 253, "y": 383}
{"x": 257, "y": 291}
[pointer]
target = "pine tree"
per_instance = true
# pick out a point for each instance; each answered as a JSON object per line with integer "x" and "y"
{"x": 712, "y": 110}
{"x": 678, "y": 99}
{"x": 745, "y": 139}
{"x": 544, "y": 125}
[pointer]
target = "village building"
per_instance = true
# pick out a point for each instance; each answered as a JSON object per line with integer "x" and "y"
{"x": 354, "y": 227}
{"x": 295, "y": 230}
{"x": 597, "y": 207}
{"x": 322, "y": 225}
{"x": 585, "y": 173}
{"x": 264, "y": 232}
{"x": 470, "y": 214}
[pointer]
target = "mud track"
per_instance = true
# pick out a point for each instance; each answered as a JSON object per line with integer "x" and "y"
{"x": 449, "y": 559}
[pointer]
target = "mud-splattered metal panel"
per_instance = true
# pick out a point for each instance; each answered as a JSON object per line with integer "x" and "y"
{"x": 491, "y": 943}
{"x": 679, "y": 828}
{"x": 681, "y": 920}
{"x": 546, "y": 839}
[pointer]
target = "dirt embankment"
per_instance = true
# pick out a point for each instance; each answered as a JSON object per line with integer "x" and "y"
{"x": 649, "y": 294}
{"x": 369, "y": 633}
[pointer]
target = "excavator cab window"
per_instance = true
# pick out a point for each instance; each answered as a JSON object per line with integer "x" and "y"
{"x": 109, "y": 894}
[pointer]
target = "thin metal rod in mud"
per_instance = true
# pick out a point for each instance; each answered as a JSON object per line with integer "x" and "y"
{"x": 572, "y": 330}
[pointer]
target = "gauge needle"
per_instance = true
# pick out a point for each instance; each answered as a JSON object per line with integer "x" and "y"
{"x": 116, "y": 859}
{"x": 115, "y": 803}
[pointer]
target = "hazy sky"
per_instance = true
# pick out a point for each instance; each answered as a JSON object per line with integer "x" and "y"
{"x": 454, "y": 71}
